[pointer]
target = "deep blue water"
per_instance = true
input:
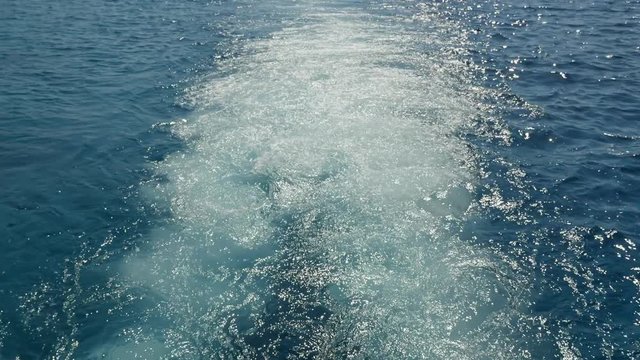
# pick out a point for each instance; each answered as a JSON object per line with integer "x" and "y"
{"x": 335, "y": 179}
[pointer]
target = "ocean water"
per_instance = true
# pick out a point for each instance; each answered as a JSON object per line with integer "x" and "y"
{"x": 319, "y": 179}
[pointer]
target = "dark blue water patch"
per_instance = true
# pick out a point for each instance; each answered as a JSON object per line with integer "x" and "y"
{"x": 81, "y": 84}
{"x": 596, "y": 52}
{"x": 575, "y": 67}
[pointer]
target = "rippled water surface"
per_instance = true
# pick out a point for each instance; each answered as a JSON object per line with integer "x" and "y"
{"x": 306, "y": 179}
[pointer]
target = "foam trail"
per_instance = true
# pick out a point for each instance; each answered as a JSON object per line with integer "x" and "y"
{"x": 315, "y": 207}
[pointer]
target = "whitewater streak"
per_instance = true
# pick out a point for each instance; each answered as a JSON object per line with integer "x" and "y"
{"x": 316, "y": 205}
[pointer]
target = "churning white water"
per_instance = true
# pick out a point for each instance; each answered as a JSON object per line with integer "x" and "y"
{"x": 316, "y": 205}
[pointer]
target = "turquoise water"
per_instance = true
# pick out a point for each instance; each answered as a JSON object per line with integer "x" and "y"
{"x": 336, "y": 179}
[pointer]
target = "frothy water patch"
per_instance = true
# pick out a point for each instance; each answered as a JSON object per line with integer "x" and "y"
{"x": 316, "y": 209}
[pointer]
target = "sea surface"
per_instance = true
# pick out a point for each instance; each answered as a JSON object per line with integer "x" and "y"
{"x": 319, "y": 179}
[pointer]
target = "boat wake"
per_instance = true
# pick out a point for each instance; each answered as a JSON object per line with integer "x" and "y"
{"x": 317, "y": 205}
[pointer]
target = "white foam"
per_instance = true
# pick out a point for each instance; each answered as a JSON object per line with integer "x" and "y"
{"x": 316, "y": 205}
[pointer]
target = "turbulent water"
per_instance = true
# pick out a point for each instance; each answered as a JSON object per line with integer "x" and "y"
{"x": 336, "y": 179}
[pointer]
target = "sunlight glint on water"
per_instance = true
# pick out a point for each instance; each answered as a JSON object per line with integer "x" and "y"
{"x": 317, "y": 203}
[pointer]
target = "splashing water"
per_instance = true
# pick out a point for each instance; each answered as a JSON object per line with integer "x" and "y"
{"x": 317, "y": 204}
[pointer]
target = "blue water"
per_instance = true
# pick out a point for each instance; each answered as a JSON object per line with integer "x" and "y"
{"x": 335, "y": 179}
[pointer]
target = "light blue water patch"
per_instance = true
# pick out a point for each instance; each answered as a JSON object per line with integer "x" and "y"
{"x": 314, "y": 203}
